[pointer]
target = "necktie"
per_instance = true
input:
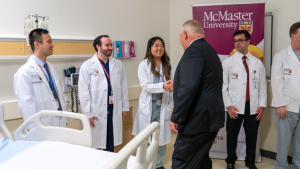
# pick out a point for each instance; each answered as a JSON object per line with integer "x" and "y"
{"x": 53, "y": 87}
{"x": 247, "y": 70}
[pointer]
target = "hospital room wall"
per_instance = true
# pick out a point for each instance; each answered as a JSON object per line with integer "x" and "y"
{"x": 122, "y": 20}
{"x": 285, "y": 14}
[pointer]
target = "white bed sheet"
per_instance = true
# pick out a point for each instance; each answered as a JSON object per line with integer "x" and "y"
{"x": 59, "y": 155}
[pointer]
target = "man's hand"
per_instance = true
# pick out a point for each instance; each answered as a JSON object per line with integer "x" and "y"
{"x": 259, "y": 111}
{"x": 173, "y": 127}
{"x": 168, "y": 85}
{"x": 281, "y": 111}
{"x": 232, "y": 112}
{"x": 124, "y": 113}
{"x": 92, "y": 121}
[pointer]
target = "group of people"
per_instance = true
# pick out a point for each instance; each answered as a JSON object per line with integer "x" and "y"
{"x": 189, "y": 100}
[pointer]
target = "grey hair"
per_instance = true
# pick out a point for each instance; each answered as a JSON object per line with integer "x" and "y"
{"x": 193, "y": 26}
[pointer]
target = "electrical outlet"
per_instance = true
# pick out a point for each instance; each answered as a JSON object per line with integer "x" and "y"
{"x": 68, "y": 101}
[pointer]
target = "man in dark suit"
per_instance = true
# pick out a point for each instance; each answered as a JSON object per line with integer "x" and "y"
{"x": 198, "y": 111}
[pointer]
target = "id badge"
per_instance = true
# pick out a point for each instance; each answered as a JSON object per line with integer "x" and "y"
{"x": 234, "y": 76}
{"x": 95, "y": 72}
{"x": 287, "y": 71}
{"x": 158, "y": 102}
{"x": 254, "y": 81}
{"x": 159, "y": 99}
{"x": 111, "y": 99}
{"x": 57, "y": 105}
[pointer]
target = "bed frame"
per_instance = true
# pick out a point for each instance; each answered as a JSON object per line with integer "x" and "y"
{"x": 146, "y": 156}
{"x": 51, "y": 133}
{"x": 2, "y": 124}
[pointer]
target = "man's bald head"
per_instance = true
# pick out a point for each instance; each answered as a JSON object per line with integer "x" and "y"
{"x": 190, "y": 31}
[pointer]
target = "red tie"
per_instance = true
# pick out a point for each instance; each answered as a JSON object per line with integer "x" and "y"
{"x": 247, "y": 70}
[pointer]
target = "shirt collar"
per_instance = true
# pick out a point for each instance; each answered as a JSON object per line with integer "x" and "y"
{"x": 194, "y": 40}
{"x": 240, "y": 55}
{"x": 103, "y": 62}
{"x": 38, "y": 61}
{"x": 296, "y": 53}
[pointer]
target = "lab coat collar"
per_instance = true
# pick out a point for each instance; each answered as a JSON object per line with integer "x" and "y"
{"x": 97, "y": 64}
{"x": 38, "y": 61}
{"x": 251, "y": 61}
{"x": 292, "y": 54}
{"x": 112, "y": 62}
{"x": 241, "y": 55}
{"x": 31, "y": 62}
{"x": 38, "y": 70}
{"x": 149, "y": 72}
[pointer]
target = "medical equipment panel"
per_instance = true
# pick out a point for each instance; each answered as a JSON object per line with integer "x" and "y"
{"x": 70, "y": 84}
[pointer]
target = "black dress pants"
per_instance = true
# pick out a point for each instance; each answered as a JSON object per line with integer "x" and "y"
{"x": 192, "y": 151}
{"x": 233, "y": 128}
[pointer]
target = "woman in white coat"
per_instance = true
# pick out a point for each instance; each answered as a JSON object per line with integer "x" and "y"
{"x": 156, "y": 75}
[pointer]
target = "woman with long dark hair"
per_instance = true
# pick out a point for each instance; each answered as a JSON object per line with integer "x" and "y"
{"x": 156, "y": 75}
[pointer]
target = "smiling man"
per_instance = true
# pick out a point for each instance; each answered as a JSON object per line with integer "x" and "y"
{"x": 103, "y": 94}
{"x": 36, "y": 82}
{"x": 245, "y": 97}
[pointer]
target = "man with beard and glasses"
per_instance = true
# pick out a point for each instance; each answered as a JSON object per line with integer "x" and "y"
{"x": 103, "y": 94}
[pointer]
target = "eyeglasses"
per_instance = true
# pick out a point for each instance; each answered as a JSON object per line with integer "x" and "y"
{"x": 239, "y": 41}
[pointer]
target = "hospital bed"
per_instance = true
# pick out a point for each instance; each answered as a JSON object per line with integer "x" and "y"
{"x": 2, "y": 124}
{"x": 56, "y": 147}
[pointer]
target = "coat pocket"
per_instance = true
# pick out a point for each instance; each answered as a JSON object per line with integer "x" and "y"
{"x": 41, "y": 92}
{"x": 168, "y": 114}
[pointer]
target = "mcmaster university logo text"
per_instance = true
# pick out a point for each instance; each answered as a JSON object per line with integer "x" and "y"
{"x": 225, "y": 19}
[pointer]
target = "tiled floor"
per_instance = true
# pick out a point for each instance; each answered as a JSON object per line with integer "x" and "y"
{"x": 217, "y": 163}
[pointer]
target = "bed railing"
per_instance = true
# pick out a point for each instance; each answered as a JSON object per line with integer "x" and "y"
{"x": 2, "y": 124}
{"x": 146, "y": 157}
{"x": 53, "y": 133}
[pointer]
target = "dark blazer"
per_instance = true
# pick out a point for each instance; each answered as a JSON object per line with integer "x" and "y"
{"x": 198, "y": 101}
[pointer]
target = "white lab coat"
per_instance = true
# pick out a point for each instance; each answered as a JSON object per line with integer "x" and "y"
{"x": 34, "y": 93}
{"x": 144, "y": 112}
{"x": 285, "y": 80}
{"x": 93, "y": 90}
{"x": 235, "y": 83}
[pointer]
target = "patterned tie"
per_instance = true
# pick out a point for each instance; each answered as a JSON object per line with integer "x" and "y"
{"x": 53, "y": 87}
{"x": 247, "y": 70}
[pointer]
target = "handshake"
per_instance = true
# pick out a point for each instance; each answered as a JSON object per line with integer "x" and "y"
{"x": 168, "y": 85}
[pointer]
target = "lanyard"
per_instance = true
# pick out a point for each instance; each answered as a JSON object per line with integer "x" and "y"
{"x": 107, "y": 76}
{"x": 50, "y": 82}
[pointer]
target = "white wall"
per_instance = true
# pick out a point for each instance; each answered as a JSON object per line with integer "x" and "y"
{"x": 285, "y": 14}
{"x": 122, "y": 20}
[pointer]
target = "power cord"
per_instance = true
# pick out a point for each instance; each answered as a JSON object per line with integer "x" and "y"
{"x": 76, "y": 101}
{"x": 72, "y": 100}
